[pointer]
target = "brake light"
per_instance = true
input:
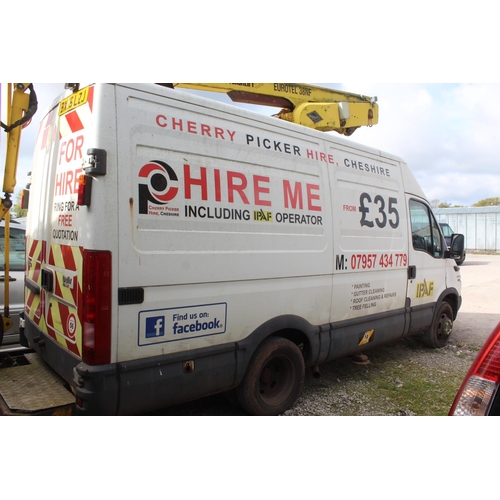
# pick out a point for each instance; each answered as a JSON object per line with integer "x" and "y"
{"x": 96, "y": 307}
{"x": 84, "y": 190}
{"x": 482, "y": 380}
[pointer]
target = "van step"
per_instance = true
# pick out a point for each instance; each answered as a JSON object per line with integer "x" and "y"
{"x": 30, "y": 387}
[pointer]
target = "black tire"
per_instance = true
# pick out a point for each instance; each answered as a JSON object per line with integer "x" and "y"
{"x": 274, "y": 378}
{"x": 438, "y": 334}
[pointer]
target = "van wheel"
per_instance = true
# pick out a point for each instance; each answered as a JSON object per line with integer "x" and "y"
{"x": 437, "y": 336}
{"x": 274, "y": 378}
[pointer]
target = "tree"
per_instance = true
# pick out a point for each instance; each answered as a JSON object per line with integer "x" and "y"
{"x": 443, "y": 204}
{"x": 487, "y": 202}
{"x": 16, "y": 210}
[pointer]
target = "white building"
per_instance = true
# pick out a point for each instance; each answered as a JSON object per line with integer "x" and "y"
{"x": 479, "y": 225}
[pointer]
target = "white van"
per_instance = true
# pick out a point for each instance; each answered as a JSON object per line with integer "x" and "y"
{"x": 179, "y": 247}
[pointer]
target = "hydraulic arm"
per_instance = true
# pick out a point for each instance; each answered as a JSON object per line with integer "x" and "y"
{"x": 312, "y": 106}
{"x": 21, "y": 106}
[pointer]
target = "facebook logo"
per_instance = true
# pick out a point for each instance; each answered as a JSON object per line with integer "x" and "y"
{"x": 155, "y": 327}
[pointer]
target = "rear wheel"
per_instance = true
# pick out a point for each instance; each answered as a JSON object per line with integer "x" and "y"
{"x": 274, "y": 378}
{"x": 437, "y": 336}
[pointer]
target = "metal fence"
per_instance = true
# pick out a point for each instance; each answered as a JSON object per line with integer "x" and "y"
{"x": 480, "y": 226}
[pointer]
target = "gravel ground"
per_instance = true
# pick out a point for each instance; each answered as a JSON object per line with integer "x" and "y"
{"x": 403, "y": 378}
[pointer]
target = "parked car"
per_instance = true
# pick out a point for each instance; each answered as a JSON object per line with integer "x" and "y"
{"x": 16, "y": 276}
{"x": 448, "y": 233}
{"x": 479, "y": 395}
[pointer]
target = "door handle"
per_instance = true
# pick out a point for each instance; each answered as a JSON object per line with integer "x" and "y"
{"x": 47, "y": 280}
{"x": 412, "y": 272}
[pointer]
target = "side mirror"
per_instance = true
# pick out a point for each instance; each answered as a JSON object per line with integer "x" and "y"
{"x": 457, "y": 246}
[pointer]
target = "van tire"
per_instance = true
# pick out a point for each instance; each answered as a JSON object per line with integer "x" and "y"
{"x": 438, "y": 334}
{"x": 274, "y": 378}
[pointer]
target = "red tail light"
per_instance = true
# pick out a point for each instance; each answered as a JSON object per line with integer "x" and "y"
{"x": 84, "y": 190}
{"x": 482, "y": 380}
{"x": 96, "y": 307}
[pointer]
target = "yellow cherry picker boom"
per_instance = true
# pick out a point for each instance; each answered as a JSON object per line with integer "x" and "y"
{"x": 21, "y": 106}
{"x": 316, "y": 107}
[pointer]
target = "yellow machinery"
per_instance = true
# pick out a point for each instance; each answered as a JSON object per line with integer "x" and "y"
{"x": 312, "y": 106}
{"x": 21, "y": 106}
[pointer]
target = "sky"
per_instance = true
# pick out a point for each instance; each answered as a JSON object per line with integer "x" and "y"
{"x": 449, "y": 134}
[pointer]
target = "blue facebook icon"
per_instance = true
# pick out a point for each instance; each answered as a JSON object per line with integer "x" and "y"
{"x": 155, "y": 327}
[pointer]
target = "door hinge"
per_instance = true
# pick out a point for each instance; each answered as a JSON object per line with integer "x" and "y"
{"x": 96, "y": 162}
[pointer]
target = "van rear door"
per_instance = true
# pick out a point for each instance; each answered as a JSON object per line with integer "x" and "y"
{"x": 54, "y": 236}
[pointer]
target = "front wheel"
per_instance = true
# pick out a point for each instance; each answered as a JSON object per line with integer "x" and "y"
{"x": 274, "y": 378}
{"x": 438, "y": 334}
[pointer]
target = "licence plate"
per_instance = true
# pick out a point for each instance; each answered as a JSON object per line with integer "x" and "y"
{"x": 74, "y": 101}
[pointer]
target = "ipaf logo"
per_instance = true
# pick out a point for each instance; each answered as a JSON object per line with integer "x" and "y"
{"x": 425, "y": 289}
{"x": 158, "y": 184}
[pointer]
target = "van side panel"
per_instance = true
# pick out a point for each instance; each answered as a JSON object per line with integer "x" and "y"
{"x": 370, "y": 248}
{"x": 225, "y": 224}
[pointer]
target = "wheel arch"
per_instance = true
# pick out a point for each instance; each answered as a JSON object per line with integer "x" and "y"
{"x": 453, "y": 298}
{"x": 437, "y": 335}
{"x": 293, "y": 328}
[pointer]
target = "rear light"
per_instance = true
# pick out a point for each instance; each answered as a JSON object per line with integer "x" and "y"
{"x": 96, "y": 307}
{"x": 482, "y": 380}
{"x": 84, "y": 190}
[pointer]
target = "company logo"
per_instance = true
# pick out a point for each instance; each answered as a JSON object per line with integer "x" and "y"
{"x": 261, "y": 216}
{"x": 181, "y": 323}
{"x": 155, "y": 327}
{"x": 158, "y": 184}
{"x": 425, "y": 289}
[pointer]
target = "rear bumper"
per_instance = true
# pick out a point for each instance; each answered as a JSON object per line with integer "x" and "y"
{"x": 59, "y": 359}
{"x": 143, "y": 385}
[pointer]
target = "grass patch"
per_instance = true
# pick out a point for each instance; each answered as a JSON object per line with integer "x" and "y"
{"x": 404, "y": 378}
